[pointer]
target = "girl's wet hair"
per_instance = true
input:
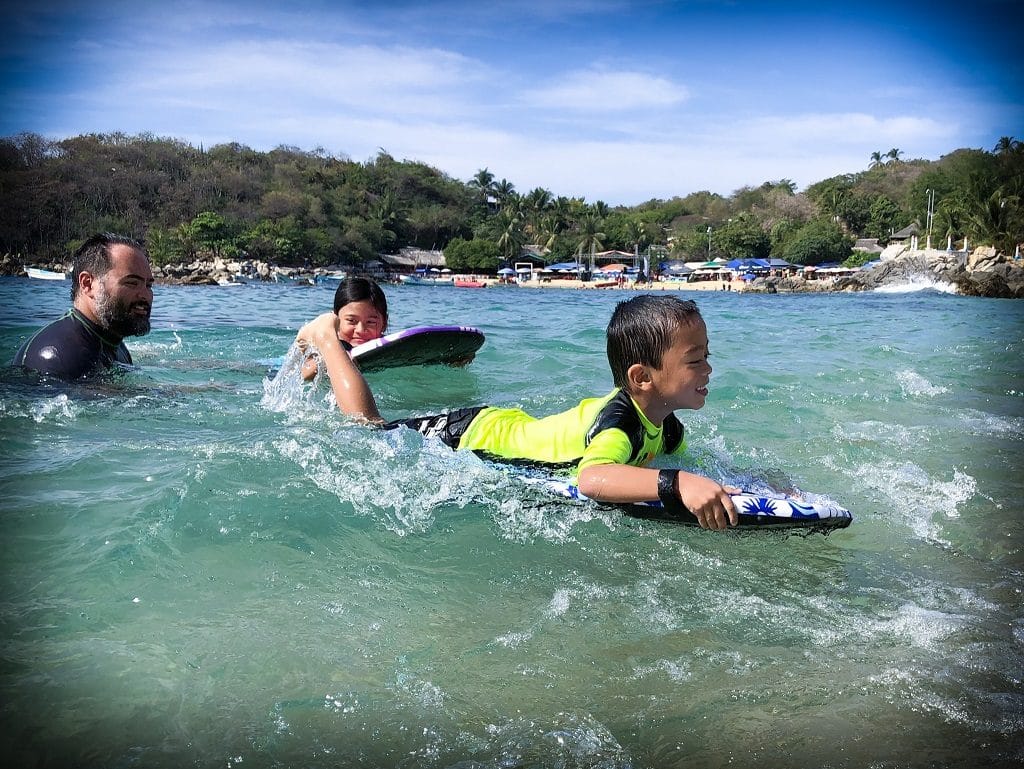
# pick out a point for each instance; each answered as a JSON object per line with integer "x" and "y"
{"x": 361, "y": 290}
{"x": 642, "y": 330}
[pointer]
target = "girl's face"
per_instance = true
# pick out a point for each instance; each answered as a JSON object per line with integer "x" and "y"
{"x": 359, "y": 322}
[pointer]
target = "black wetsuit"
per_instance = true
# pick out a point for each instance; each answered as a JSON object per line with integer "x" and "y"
{"x": 72, "y": 347}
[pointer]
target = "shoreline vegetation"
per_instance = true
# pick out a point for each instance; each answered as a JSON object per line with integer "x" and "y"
{"x": 290, "y": 214}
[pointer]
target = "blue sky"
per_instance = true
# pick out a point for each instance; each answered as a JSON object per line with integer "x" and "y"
{"x": 608, "y": 100}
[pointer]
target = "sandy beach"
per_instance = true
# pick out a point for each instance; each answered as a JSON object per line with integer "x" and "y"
{"x": 669, "y": 285}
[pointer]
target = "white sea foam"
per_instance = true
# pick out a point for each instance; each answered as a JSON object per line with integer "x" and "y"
{"x": 915, "y": 497}
{"x": 153, "y": 349}
{"x": 914, "y": 384}
{"x": 919, "y": 283}
{"x": 560, "y": 602}
{"x": 923, "y": 627}
{"x": 57, "y": 409}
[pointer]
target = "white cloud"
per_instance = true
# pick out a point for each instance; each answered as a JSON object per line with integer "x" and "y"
{"x": 848, "y": 128}
{"x": 607, "y": 91}
{"x": 317, "y": 78}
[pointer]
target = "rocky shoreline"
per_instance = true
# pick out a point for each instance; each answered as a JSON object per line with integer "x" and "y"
{"x": 982, "y": 272}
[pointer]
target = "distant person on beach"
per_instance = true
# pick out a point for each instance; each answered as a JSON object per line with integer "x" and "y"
{"x": 111, "y": 298}
{"x": 658, "y": 353}
{"x": 362, "y": 313}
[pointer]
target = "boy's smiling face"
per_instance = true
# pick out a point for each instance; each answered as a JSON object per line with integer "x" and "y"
{"x": 682, "y": 380}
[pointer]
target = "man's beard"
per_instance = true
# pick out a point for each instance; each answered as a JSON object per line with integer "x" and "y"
{"x": 118, "y": 317}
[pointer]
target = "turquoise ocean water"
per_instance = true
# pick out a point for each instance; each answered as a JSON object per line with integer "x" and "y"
{"x": 204, "y": 568}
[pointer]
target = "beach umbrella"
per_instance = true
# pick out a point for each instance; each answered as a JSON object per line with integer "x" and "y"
{"x": 445, "y": 270}
{"x": 508, "y": 271}
{"x": 749, "y": 276}
{"x": 434, "y": 269}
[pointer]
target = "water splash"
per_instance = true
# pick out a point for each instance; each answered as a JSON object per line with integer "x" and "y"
{"x": 913, "y": 384}
{"x": 918, "y": 283}
{"x": 59, "y": 409}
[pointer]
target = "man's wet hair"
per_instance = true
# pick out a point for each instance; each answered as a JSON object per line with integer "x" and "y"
{"x": 93, "y": 256}
{"x": 642, "y": 330}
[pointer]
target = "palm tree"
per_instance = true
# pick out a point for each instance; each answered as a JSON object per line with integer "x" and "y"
{"x": 536, "y": 203}
{"x": 511, "y": 239}
{"x": 590, "y": 236}
{"x": 876, "y": 160}
{"x": 1006, "y": 145}
{"x": 483, "y": 180}
{"x": 538, "y": 199}
{"x": 894, "y": 155}
{"x": 503, "y": 190}
{"x": 992, "y": 218}
{"x": 550, "y": 227}
{"x": 636, "y": 233}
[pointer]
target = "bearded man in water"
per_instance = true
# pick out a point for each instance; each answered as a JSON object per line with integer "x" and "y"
{"x": 111, "y": 297}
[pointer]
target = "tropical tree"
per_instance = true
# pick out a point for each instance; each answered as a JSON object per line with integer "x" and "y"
{"x": 894, "y": 155}
{"x": 637, "y": 234}
{"x": 210, "y": 232}
{"x": 503, "y": 191}
{"x": 996, "y": 219}
{"x": 885, "y": 217}
{"x": 819, "y": 241}
{"x": 483, "y": 181}
{"x": 1006, "y": 145}
{"x": 511, "y": 237}
{"x": 876, "y": 160}
{"x": 535, "y": 205}
{"x": 476, "y": 254}
{"x": 162, "y": 246}
{"x": 743, "y": 237}
{"x": 590, "y": 236}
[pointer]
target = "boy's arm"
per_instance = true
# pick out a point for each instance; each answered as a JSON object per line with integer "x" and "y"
{"x": 709, "y": 502}
{"x": 350, "y": 389}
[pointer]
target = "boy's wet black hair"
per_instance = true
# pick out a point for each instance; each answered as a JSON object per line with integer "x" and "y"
{"x": 642, "y": 329}
{"x": 361, "y": 290}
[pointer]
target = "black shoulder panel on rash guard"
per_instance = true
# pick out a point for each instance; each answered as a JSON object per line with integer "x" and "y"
{"x": 672, "y": 433}
{"x": 620, "y": 413}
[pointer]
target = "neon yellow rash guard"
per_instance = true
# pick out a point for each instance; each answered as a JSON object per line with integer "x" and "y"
{"x": 598, "y": 431}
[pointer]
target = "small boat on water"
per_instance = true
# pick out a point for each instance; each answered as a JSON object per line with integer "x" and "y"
{"x": 41, "y": 274}
{"x": 469, "y": 283}
{"x": 331, "y": 277}
{"x": 420, "y": 280}
{"x": 298, "y": 279}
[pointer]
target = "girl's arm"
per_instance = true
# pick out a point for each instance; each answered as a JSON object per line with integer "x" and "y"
{"x": 350, "y": 389}
{"x": 709, "y": 502}
{"x": 309, "y": 368}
